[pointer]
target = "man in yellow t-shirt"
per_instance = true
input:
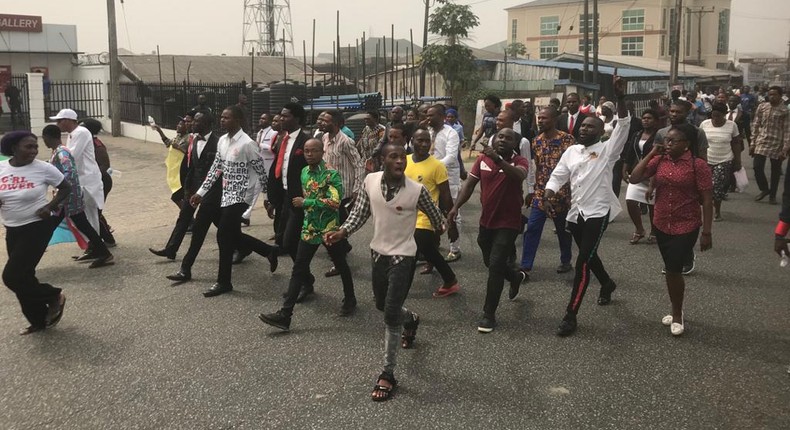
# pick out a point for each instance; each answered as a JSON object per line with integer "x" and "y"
{"x": 422, "y": 167}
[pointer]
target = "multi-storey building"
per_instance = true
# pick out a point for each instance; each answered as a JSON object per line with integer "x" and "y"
{"x": 640, "y": 28}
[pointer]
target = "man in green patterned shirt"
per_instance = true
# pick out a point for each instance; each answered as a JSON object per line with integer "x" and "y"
{"x": 323, "y": 189}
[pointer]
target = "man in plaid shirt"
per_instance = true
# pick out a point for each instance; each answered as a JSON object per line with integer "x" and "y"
{"x": 770, "y": 140}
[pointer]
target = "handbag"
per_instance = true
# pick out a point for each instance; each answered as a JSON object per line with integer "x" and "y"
{"x": 741, "y": 180}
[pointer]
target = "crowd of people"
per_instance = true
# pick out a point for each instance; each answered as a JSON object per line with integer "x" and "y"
{"x": 564, "y": 161}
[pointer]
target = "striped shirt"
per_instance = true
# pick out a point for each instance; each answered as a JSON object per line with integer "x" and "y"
{"x": 770, "y": 130}
{"x": 341, "y": 154}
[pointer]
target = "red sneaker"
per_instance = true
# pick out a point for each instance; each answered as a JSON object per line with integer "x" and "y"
{"x": 449, "y": 291}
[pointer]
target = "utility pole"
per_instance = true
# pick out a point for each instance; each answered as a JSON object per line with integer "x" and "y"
{"x": 115, "y": 71}
{"x": 700, "y": 12}
{"x": 675, "y": 43}
{"x": 595, "y": 42}
{"x": 586, "y": 76}
{"x": 424, "y": 44}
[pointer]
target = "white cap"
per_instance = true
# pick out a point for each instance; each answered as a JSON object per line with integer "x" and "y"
{"x": 65, "y": 114}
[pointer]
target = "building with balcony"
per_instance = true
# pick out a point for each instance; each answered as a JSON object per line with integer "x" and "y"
{"x": 639, "y": 28}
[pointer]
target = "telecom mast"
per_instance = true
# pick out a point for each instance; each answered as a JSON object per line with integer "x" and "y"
{"x": 267, "y": 28}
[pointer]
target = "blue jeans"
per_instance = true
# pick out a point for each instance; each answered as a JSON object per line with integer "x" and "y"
{"x": 537, "y": 218}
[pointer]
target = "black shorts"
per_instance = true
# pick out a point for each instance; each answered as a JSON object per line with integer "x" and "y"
{"x": 675, "y": 248}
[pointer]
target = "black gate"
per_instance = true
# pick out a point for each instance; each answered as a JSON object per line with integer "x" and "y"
{"x": 18, "y": 116}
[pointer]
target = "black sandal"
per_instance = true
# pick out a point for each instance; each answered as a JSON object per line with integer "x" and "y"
{"x": 409, "y": 332}
{"x": 30, "y": 330}
{"x": 386, "y": 376}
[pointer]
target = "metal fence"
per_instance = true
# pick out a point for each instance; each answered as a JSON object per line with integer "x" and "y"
{"x": 18, "y": 118}
{"x": 166, "y": 102}
{"x": 85, "y": 97}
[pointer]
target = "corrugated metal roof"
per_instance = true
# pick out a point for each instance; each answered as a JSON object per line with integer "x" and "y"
{"x": 211, "y": 68}
{"x": 654, "y": 65}
{"x": 622, "y": 71}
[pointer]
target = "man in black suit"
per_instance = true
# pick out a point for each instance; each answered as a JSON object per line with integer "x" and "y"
{"x": 285, "y": 181}
{"x": 200, "y": 157}
{"x": 571, "y": 122}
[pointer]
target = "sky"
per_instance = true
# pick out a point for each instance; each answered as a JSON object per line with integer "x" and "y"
{"x": 199, "y": 27}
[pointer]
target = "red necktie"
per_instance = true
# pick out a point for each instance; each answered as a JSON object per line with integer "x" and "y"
{"x": 278, "y": 169}
{"x": 189, "y": 149}
{"x": 570, "y": 123}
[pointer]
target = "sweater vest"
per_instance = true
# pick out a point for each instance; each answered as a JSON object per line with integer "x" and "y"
{"x": 394, "y": 220}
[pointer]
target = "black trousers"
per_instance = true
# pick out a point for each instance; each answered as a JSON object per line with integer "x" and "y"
{"x": 290, "y": 227}
{"x": 80, "y": 220}
{"x": 25, "y": 246}
{"x": 185, "y": 217}
{"x": 617, "y": 177}
{"x": 105, "y": 231}
{"x": 301, "y": 276}
{"x": 587, "y": 234}
{"x": 759, "y": 174}
{"x": 426, "y": 245}
{"x": 497, "y": 247}
{"x": 228, "y": 235}
{"x": 207, "y": 214}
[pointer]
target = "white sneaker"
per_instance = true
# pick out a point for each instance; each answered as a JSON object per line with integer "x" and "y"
{"x": 667, "y": 320}
{"x": 676, "y": 329}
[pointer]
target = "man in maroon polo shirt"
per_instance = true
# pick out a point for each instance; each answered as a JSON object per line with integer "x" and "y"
{"x": 501, "y": 173}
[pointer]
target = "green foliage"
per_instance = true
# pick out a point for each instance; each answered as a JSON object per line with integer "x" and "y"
{"x": 516, "y": 49}
{"x": 455, "y": 62}
{"x": 453, "y": 22}
{"x": 468, "y": 102}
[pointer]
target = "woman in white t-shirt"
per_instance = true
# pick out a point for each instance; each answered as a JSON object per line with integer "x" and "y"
{"x": 27, "y": 216}
{"x": 724, "y": 155}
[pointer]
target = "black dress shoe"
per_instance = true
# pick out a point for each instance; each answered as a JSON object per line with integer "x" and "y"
{"x": 180, "y": 276}
{"x": 217, "y": 289}
{"x": 163, "y": 253}
{"x": 272, "y": 257}
{"x": 348, "y": 307}
{"x": 245, "y": 222}
{"x": 762, "y": 195}
{"x": 87, "y": 255}
{"x": 605, "y": 296}
{"x": 277, "y": 319}
{"x": 564, "y": 268}
{"x": 305, "y": 294}
{"x": 106, "y": 260}
{"x": 331, "y": 272}
{"x": 567, "y": 326}
{"x": 239, "y": 256}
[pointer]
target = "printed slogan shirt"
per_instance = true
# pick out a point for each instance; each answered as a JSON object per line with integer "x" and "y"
{"x": 239, "y": 163}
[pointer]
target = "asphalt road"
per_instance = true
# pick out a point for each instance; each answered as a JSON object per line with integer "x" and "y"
{"x": 135, "y": 352}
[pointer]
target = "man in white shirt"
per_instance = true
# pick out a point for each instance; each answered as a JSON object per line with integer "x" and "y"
{"x": 239, "y": 165}
{"x": 588, "y": 167}
{"x": 264, "y": 140}
{"x": 446, "y": 145}
{"x": 80, "y": 143}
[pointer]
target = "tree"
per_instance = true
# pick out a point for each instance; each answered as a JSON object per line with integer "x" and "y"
{"x": 516, "y": 49}
{"x": 451, "y": 59}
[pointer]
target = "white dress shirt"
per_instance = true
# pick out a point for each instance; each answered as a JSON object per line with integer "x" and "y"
{"x": 445, "y": 149}
{"x": 589, "y": 170}
{"x": 264, "y": 140}
{"x": 202, "y": 143}
{"x": 291, "y": 142}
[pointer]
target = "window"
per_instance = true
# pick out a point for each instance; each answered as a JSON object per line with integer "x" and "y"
{"x": 688, "y": 36}
{"x": 587, "y": 22}
{"x": 514, "y": 31}
{"x": 549, "y": 49}
{"x": 723, "y": 45}
{"x": 633, "y": 46}
{"x": 664, "y": 18}
{"x": 663, "y": 45}
{"x": 581, "y": 44}
{"x": 634, "y": 20}
{"x": 548, "y": 25}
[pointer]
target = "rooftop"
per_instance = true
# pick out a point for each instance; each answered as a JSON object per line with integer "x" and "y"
{"x": 211, "y": 68}
{"x": 537, "y": 3}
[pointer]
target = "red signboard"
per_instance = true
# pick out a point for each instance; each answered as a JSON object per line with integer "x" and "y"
{"x": 25, "y": 23}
